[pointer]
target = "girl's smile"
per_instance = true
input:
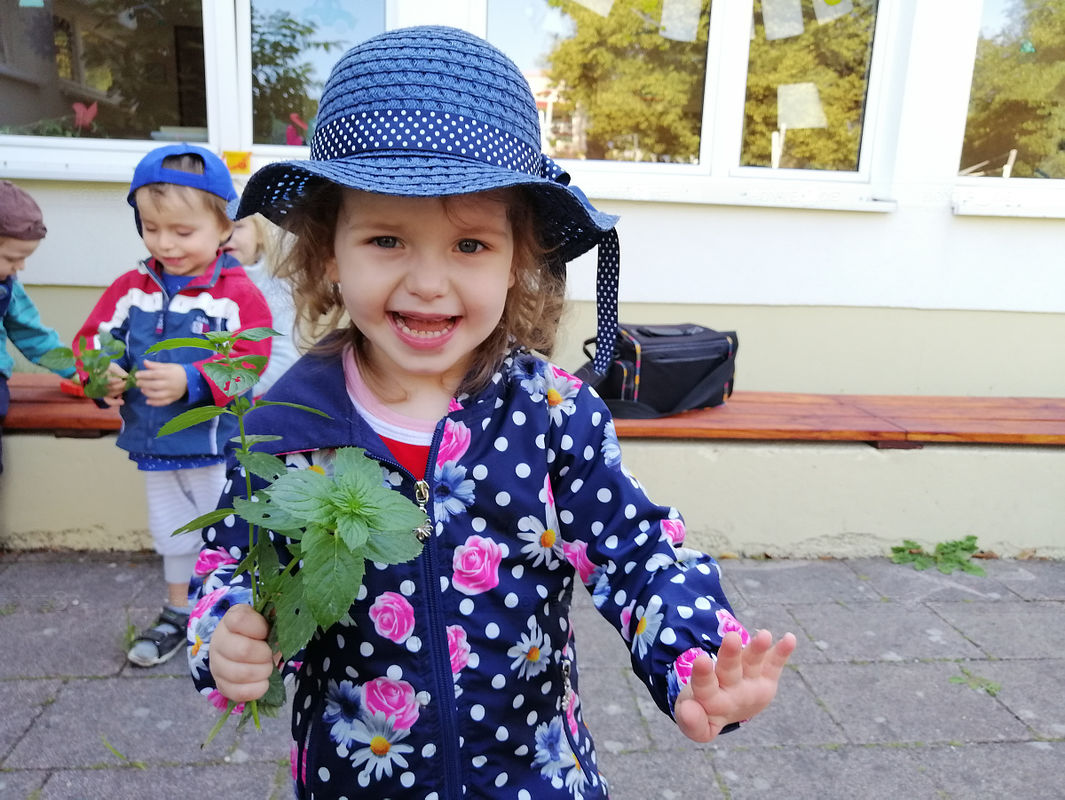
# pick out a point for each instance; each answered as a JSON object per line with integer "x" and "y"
{"x": 425, "y": 280}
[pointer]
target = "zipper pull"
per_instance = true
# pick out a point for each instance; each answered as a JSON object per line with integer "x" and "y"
{"x": 567, "y": 690}
{"x": 421, "y": 497}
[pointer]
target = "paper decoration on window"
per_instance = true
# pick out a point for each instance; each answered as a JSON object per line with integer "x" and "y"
{"x": 828, "y": 10}
{"x": 799, "y": 106}
{"x": 238, "y": 161}
{"x": 782, "y": 18}
{"x": 600, "y": 7}
{"x": 31, "y": 3}
{"x": 680, "y": 19}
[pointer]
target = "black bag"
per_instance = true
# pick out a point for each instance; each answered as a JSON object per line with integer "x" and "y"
{"x": 658, "y": 370}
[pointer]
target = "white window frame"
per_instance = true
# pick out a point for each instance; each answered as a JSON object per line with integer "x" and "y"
{"x": 888, "y": 139}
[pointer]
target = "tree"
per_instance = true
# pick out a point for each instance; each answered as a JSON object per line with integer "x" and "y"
{"x": 640, "y": 94}
{"x": 834, "y": 57}
{"x": 1017, "y": 99}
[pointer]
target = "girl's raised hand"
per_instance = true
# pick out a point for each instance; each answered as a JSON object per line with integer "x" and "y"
{"x": 741, "y": 683}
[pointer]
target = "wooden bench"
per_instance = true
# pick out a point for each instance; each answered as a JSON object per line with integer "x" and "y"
{"x": 885, "y": 421}
{"x": 38, "y": 405}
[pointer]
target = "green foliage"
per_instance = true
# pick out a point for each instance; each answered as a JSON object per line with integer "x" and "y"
{"x": 947, "y": 556}
{"x": 92, "y": 361}
{"x": 977, "y": 683}
{"x": 334, "y": 523}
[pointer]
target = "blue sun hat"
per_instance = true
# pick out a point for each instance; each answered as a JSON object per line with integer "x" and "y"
{"x": 435, "y": 111}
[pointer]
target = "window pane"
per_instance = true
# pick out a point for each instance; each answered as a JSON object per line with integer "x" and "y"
{"x": 807, "y": 79}
{"x": 103, "y": 69}
{"x": 294, "y": 46}
{"x": 1016, "y": 121}
{"x": 619, "y": 80}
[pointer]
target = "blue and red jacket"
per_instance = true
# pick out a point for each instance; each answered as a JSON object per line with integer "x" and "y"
{"x": 455, "y": 674}
{"x": 137, "y": 311}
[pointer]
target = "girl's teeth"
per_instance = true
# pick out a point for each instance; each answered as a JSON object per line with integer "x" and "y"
{"x": 421, "y": 333}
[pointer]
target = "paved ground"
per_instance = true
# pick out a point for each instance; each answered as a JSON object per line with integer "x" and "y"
{"x": 905, "y": 685}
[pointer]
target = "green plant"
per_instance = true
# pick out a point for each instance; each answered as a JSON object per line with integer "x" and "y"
{"x": 947, "y": 556}
{"x": 94, "y": 362}
{"x": 976, "y": 682}
{"x": 333, "y": 524}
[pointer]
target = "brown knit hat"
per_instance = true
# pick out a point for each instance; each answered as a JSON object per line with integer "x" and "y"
{"x": 20, "y": 216}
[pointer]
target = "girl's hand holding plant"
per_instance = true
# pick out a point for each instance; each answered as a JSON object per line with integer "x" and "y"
{"x": 162, "y": 383}
{"x": 242, "y": 662}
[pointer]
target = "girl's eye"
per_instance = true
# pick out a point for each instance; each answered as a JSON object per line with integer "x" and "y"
{"x": 469, "y": 246}
{"x": 385, "y": 241}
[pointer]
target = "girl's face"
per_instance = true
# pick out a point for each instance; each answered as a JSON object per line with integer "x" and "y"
{"x": 183, "y": 237}
{"x": 243, "y": 244}
{"x": 424, "y": 279}
{"x": 13, "y": 255}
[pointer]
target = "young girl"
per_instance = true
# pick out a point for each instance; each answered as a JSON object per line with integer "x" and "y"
{"x": 428, "y": 215}
{"x": 254, "y": 243}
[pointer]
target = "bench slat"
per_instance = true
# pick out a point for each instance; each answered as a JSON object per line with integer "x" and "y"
{"x": 38, "y": 404}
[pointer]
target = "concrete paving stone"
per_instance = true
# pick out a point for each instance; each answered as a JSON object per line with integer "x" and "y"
{"x": 829, "y": 773}
{"x": 1023, "y": 770}
{"x": 608, "y": 705}
{"x": 1030, "y": 579}
{"x": 72, "y": 642}
{"x": 778, "y": 619}
{"x": 22, "y": 702}
{"x": 22, "y": 785}
{"x": 90, "y": 583}
{"x": 1010, "y": 630}
{"x": 904, "y": 584}
{"x": 1034, "y": 691}
{"x": 236, "y": 782}
{"x": 272, "y": 741}
{"x": 910, "y": 703}
{"x": 159, "y": 722}
{"x": 677, "y": 775}
{"x": 881, "y": 632}
{"x": 774, "y": 581}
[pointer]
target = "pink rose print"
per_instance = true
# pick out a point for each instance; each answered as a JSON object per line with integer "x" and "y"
{"x": 220, "y": 701}
{"x": 476, "y": 565}
{"x": 210, "y": 560}
{"x": 454, "y": 405}
{"x": 206, "y": 603}
{"x": 577, "y": 555}
{"x": 726, "y": 622}
{"x": 673, "y": 529}
{"x": 393, "y": 616}
{"x": 394, "y": 699}
{"x": 293, "y": 760}
{"x": 454, "y": 443}
{"x": 571, "y": 713}
{"x": 458, "y": 647}
{"x": 684, "y": 663}
{"x": 626, "y": 618}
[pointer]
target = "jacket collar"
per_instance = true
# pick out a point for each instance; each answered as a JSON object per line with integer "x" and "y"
{"x": 209, "y": 278}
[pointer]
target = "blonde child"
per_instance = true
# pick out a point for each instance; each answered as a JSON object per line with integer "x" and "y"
{"x": 187, "y": 287}
{"x": 428, "y": 216}
{"x": 21, "y": 230}
{"x": 256, "y": 244}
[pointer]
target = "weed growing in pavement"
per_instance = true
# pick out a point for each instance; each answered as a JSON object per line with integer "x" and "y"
{"x": 947, "y": 556}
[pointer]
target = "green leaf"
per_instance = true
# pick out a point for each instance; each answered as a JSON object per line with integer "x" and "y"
{"x": 256, "y": 334}
{"x": 292, "y": 618}
{"x": 262, "y": 465}
{"x": 332, "y": 575}
{"x": 305, "y": 493}
{"x": 231, "y": 379}
{"x": 398, "y": 514}
{"x": 58, "y": 358}
{"x": 264, "y": 403}
{"x": 186, "y": 419}
{"x": 251, "y": 441}
{"x": 265, "y": 515}
{"x": 181, "y": 341}
{"x": 202, "y": 521}
{"x": 352, "y": 530}
{"x": 393, "y": 547}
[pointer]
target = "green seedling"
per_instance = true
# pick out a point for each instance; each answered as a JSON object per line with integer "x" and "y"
{"x": 94, "y": 362}
{"x": 976, "y": 682}
{"x": 947, "y": 556}
{"x": 334, "y": 523}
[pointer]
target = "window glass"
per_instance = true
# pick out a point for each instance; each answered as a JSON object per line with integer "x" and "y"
{"x": 294, "y": 46}
{"x": 1016, "y": 121}
{"x": 620, "y": 80}
{"x": 103, "y": 69}
{"x": 807, "y": 79}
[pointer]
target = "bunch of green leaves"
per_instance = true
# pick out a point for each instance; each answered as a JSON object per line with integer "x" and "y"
{"x": 94, "y": 362}
{"x": 332, "y": 524}
{"x": 947, "y": 556}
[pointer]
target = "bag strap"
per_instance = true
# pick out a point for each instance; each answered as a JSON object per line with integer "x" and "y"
{"x": 606, "y": 301}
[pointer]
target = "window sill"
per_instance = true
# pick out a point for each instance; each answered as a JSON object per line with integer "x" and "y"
{"x": 1010, "y": 197}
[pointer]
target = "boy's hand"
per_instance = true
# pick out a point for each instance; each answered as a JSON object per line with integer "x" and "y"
{"x": 241, "y": 660}
{"x": 116, "y": 385}
{"x": 741, "y": 683}
{"x": 162, "y": 383}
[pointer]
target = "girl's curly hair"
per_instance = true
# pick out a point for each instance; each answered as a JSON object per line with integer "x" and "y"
{"x": 530, "y": 316}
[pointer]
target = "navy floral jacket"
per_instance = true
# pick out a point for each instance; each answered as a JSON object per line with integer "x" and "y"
{"x": 456, "y": 674}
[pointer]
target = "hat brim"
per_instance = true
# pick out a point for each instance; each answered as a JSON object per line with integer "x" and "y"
{"x": 569, "y": 226}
